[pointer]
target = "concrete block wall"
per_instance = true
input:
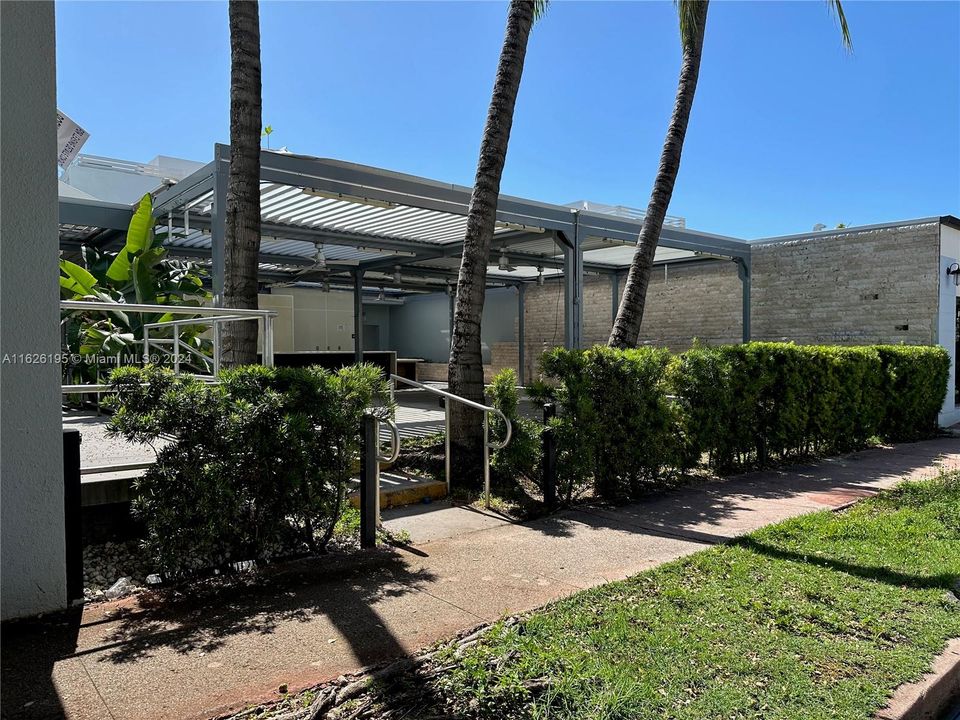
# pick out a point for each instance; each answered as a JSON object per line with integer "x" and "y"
{"x": 855, "y": 288}
{"x": 685, "y": 301}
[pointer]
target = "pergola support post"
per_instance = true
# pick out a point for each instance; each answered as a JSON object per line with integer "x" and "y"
{"x": 743, "y": 271}
{"x": 573, "y": 287}
{"x": 218, "y": 222}
{"x": 521, "y": 333}
{"x": 358, "y": 316}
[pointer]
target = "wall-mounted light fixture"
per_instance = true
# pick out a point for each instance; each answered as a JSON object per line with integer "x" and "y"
{"x": 954, "y": 270}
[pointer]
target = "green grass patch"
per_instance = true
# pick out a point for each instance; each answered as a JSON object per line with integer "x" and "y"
{"x": 818, "y": 617}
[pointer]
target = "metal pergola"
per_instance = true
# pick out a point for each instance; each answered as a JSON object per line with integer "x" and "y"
{"x": 382, "y": 229}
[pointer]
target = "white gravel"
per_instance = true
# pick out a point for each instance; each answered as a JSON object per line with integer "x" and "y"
{"x": 105, "y": 563}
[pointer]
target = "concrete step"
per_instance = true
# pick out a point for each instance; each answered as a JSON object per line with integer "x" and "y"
{"x": 398, "y": 488}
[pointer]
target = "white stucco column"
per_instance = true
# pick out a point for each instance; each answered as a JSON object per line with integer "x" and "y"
{"x": 946, "y": 318}
{"x": 31, "y": 452}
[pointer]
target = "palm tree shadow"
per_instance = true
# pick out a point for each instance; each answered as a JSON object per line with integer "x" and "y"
{"x": 343, "y": 590}
{"x": 942, "y": 581}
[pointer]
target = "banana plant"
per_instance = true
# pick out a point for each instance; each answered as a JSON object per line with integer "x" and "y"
{"x": 139, "y": 273}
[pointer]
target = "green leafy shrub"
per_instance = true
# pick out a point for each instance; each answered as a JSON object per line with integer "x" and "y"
{"x": 521, "y": 458}
{"x": 607, "y": 400}
{"x": 915, "y": 387}
{"x": 250, "y": 468}
{"x": 629, "y": 417}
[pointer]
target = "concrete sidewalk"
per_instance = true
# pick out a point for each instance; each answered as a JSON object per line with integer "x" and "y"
{"x": 200, "y": 656}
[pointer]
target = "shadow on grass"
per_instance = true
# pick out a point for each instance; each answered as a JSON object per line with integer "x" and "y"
{"x": 942, "y": 581}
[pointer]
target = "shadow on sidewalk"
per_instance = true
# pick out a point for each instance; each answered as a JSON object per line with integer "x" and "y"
{"x": 341, "y": 589}
{"x": 29, "y": 650}
{"x": 713, "y": 511}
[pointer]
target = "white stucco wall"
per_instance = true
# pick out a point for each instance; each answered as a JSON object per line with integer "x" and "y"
{"x": 33, "y": 578}
{"x": 946, "y": 319}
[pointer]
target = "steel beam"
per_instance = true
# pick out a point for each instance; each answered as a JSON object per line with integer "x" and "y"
{"x": 95, "y": 213}
{"x": 190, "y": 188}
{"x": 377, "y": 184}
{"x": 615, "y": 228}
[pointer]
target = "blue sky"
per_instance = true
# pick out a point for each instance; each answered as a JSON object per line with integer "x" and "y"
{"x": 787, "y": 129}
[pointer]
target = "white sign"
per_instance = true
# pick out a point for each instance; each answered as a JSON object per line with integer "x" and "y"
{"x": 70, "y": 138}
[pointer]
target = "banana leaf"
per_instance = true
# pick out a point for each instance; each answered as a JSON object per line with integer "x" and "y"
{"x": 139, "y": 238}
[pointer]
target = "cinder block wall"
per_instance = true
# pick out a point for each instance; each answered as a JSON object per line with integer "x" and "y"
{"x": 697, "y": 300}
{"x": 853, "y": 288}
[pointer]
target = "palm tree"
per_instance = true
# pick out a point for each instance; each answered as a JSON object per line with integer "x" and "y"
{"x": 466, "y": 364}
{"x": 239, "y": 339}
{"x": 693, "y": 19}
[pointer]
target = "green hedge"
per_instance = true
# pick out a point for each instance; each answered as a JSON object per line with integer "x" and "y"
{"x": 253, "y": 467}
{"x": 629, "y": 417}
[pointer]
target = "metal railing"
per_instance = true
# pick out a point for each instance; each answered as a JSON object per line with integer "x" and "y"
{"x": 212, "y": 316}
{"x": 487, "y": 445}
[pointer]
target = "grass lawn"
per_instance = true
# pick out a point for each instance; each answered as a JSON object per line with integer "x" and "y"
{"x": 818, "y": 617}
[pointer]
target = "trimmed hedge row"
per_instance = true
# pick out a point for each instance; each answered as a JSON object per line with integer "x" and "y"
{"x": 629, "y": 417}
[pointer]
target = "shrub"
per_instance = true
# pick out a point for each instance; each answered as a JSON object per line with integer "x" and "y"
{"x": 915, "y": 387}
{"x": 608, "y": 400}
{"x": 521, "y": 458}
{"x": 252, "y": 467}
{"x": 629, "y": 417}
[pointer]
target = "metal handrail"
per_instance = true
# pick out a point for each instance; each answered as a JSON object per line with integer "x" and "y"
{"x": 394, "y": 442}
{"x": 171, "y": 309}
{"x": 487, "y": 445}
{"x": 199, "y": 315}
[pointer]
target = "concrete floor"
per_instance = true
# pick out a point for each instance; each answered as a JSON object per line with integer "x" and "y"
{"x": 193, "y": 656}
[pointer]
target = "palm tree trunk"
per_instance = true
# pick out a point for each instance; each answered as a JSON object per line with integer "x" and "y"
{"x": 243, "y": 184}
{"x": 626, "y": 327}
{"x": 466, "y": 363}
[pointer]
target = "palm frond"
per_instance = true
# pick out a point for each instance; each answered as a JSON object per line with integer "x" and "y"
{"x": 836, "y": 8}
{"x": 686, "y": 9}
{"x": 539, "y": 9}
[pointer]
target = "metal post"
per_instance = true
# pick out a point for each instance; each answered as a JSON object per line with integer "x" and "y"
{"x": 146, "y": 346}
{"x": 268, "y": 340}
{"x": 549, "y": 458}
{"x": 573, "y": 287}
{"x": 369, "y": 481}
{"x": 743, "y": 272}
{"x": 176, "y": 348}
{"x": 216, "y": 347}
{"x": 218, "y": 221}
{"x": 486, "y": 460}
{"x": 521, "y": 333}
{"x": 358, "y": 316}
{"x": 73, "y": 532}
{"x": 446, "y": 442}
